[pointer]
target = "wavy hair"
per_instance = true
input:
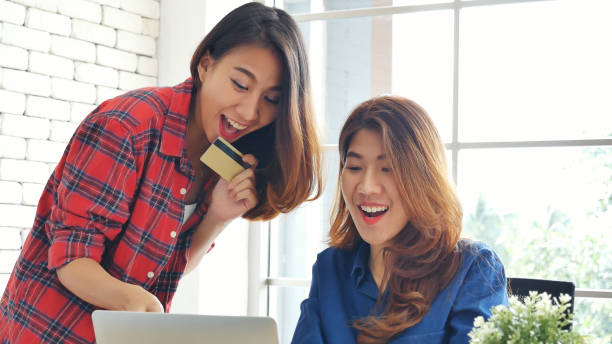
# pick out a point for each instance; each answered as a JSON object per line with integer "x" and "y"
{"x": 288, "y": 150}
{"x": 423, "y": 257}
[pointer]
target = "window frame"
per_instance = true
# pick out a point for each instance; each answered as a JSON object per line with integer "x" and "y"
{"x": 260, "y": 281}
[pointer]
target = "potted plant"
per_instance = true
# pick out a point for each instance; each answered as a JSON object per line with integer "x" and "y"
{"x": 538, "y": 319}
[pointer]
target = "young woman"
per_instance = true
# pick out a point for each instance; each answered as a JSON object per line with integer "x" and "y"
{"x": 397, "y": 271}
{"x": 130, "y": 207}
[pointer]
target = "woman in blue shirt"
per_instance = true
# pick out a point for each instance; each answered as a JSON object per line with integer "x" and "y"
{"x": 397, "y": 270}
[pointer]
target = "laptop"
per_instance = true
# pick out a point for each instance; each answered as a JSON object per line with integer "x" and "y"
{"x": 115, "y": 327}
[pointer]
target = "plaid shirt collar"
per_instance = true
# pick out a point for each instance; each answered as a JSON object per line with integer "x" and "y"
{"x": 175, "y": 125}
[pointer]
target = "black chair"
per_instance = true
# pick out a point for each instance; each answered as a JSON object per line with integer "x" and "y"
{"x": 522, "y": 286}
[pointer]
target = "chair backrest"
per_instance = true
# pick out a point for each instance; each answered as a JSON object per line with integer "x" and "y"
{"x": 522, "y": 286}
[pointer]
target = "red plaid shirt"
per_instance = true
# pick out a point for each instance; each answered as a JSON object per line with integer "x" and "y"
{"x": 116, "y": 197}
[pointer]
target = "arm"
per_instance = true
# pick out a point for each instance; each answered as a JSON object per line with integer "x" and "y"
{"x": 90, "y": 282}
{"x": 228, "y": 201}
{"x": 96, "y": 179}
{"x": 483, "y": 287}
{"x": 308, "y": 329}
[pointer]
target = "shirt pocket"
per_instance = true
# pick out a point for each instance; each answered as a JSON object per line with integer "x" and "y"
{"x": 438, "y": 337}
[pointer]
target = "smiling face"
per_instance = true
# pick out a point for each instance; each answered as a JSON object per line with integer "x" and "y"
{"x": 240, "y": 92}
{"x": 370, "y": 192}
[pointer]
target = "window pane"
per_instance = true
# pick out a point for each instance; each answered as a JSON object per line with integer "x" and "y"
{"x": 423, "y": 64}
{"x": 534, "y": 71}
{"x": 594, "y": 318}
{"x": 545, "y": 211}
{"x": 354, "y": 59}
{"x": 285, "y": 309}
{"x": 297, "y": 238}
{"x": 308, "y": 6}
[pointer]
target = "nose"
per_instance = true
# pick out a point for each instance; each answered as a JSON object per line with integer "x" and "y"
{"x": 370, "y": 183}
{"x": 248, "y": 107}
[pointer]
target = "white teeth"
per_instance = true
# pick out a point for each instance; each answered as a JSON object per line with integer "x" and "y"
{"x": 373, "y": 209}
{"x": 235, "y": 124}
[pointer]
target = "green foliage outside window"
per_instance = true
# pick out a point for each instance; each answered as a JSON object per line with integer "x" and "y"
{"x": 553, "y": 247}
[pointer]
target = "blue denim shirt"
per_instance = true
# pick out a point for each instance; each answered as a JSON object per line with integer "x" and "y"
{"x": 343, "y": 290}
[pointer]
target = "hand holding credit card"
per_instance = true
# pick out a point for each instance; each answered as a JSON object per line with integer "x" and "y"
{"x": 224, "y": 159}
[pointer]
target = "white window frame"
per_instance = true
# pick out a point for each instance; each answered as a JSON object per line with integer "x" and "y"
{"x": 260, "y": 281}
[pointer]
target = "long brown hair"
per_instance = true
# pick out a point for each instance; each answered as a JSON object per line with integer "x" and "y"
{"x": 289, "y": 169}
{"x": 422, "y": 258}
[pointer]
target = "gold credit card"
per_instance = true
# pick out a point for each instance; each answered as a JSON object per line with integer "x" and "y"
{"x": 224, "y": 159}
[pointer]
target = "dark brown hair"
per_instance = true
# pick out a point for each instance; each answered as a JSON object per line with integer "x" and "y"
{"x": 289, "y": 170}
{"x": 422, "y": 258}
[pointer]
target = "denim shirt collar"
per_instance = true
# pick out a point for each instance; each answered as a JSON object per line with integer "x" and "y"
{"x": 360, "y": 272}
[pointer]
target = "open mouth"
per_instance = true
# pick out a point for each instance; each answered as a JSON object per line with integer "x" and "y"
{"x": 373, "y": 211}
{"x": 231, "y": 129}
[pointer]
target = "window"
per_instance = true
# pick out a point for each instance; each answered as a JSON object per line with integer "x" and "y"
{"x": 519, "y": 91}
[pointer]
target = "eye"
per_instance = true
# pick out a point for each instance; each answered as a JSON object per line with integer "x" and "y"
{"x": 386, "y": 169}
{"x": 272, "y": 100}
{"x": 353, "y": 168}
{"x": 240, "y": 86}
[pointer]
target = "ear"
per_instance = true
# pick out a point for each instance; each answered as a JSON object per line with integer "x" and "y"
{"x": 205, "y": 64}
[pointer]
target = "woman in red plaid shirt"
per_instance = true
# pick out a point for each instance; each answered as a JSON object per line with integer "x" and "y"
{"x": 113, "y": 228}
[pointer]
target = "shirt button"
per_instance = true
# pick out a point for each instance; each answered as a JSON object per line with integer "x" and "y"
{"x": 173, "y": 234}
{"x": 150, "y": 274}
{"x": 183, "y": 191}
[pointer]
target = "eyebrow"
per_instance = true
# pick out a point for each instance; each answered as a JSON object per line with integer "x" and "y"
{"x": 252, "y": 76}
{"x": 352, "y": 154}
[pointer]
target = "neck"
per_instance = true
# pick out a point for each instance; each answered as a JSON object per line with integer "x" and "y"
{"x": 377, "y": 266}
{"x": 197, "y": 142}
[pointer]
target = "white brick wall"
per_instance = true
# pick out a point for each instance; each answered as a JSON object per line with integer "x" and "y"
{"x": 78, "y": 111}
{"x": 131, "y": 81}
{"x": 49, "y": 22}
{"x": 7, "y": 260}
{"x": 11, "y": 192}
{"x": 32, "y": 193}
{"x": 10, "y": 239}
{"x": 117, "y": 59}
{"x": 47, "y": 5}
{"x": 146, "y": 8}
{"x": 25, "y": 82}
{"x": 95, "y": 33}
{"x": 104, "y": 93}
{"x": 73, "y": 90}
{"x": 25, "y": 37}
{"x": 98, "y": 75}
{"x": 13, "y": 57}
{"x": 24, "y": 126}
{"x": 47, "y": 108}
{"x": 12, "y": 147}
{"x": 81, "y": 9}
{"x": 139, "y": 44}
{"x": 51, "y": 65}
{"x": 46, "y": 151}
{"x": 12, "y": 102}
{"x": 120, "y": 19}
{"x": 73, "y": 49}
{"x": 62, "y": 131}
{"x": 58, "y": 59}
{"x": 12, "y": 13}
{"x": 23, "y": 171}
{"x": 147, "y": 66}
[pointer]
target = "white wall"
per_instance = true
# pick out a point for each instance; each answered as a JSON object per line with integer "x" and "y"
{"x": 58, "y": 60}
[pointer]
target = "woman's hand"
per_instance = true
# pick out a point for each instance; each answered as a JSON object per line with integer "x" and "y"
{"x": 232, "y": 199}
{"x": 228, "y": 201}
{"x": 85, "y": 278}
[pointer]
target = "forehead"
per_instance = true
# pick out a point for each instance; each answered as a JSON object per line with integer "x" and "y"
{"x": 367, "y": 143}
{"x": 263, "y": 62}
